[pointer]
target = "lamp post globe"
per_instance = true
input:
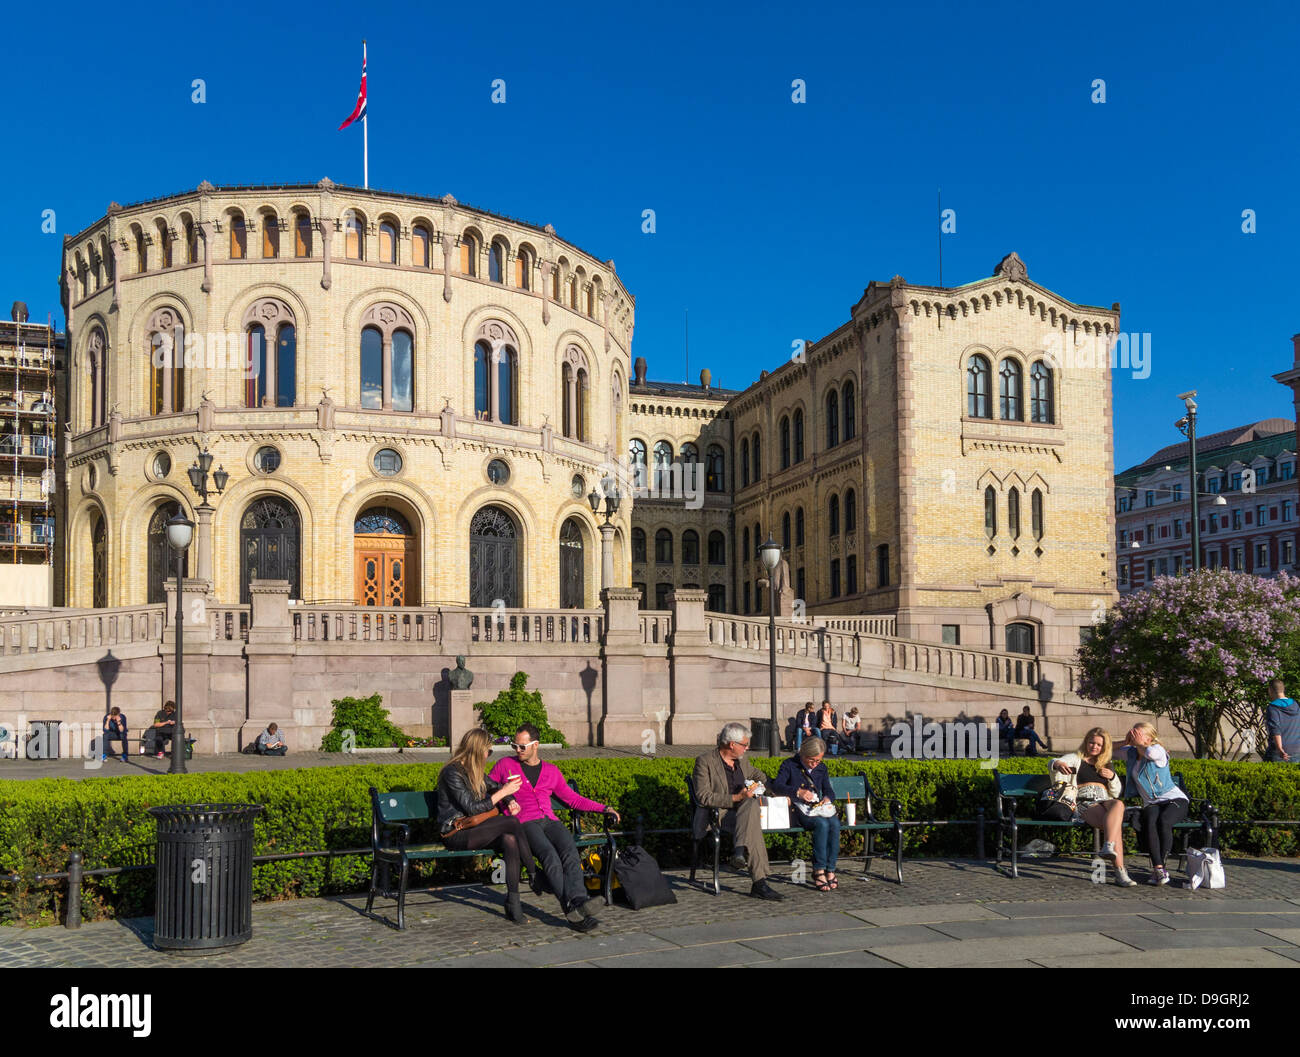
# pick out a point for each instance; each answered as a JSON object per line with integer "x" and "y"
{"x": 180, "y": 530}
{"x": 769, "y": 554}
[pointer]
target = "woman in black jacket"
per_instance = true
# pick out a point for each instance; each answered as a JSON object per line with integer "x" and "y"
{"x": 805, "y": 780}
{"x": 464, "y": 789}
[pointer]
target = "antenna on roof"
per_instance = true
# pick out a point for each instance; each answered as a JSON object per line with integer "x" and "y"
{"x": 939, "y": 192}
{"x": 687, "y": 379}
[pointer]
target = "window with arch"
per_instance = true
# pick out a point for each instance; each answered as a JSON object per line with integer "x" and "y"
{"x": 141, "y": 251}
{"x": 497, "y": 262}
{"x": 1041, "y": 404}
{"x": 270, "y": 236}
{"x": 785, "y": 531}
{"x": 798, "y": 435}
{"x": 420, "y": 246}
{"x": 166, "y": 362}
{"x": 832, "y": 418}
{"x": 690, "y": 454}
{"x": 238, "y": 237}
{"x": 1020, "y": 638}
{"x": 191, "y": 241}
{"x": 354, "y": 238}
{"x": 638, "y": 545}
{"x": 1013, "y": 512}
{"x": 663, "y": 466}
{"x": 833, "y": 515}
{"x": 784, "y": 431}
{"x": 637, "y": 454}
{"x": 1009, "y": 392}
{"x": 714, "y": 469}
{"x": 573, "y": 391}
{"x": 164, "y": 249}
{"x": 744, "y": 545}
{"x": 850, "y": 511}
{"x": 589, "y": 301}
{"x": 758, "y": 458}
{"x": 990, "y": 512}
{"x": 1036, "y": 513}
{"x": 97, "y": 363}
{"x": 523, "y": 268}
{"x": 302, "y": 234}
{"x": 744, "y": 463}
{"x": 387, "y": 242}
{"x": 690, "y": 547}
{"x": 717, "y": 548}
{"x": 496, "y": 376}
{"x": 849, "y": 398}
{"x": 798, "y": 526}
{"x": 387, "y": 358}
{"x": 272, "y": 377}
{"x": 977, "y": 387}
{"x": 663, "y": 547}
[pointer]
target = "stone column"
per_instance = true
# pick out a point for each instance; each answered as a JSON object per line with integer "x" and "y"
{"x": 115, "y": 248}
{"x": 606, "y": 556}
{"x": 326, "y": 240}
{"x": 205, "y": 233}
{"x": 623, "y": 719}
{"x": 270, "y": 653}
{"x": 692, "y": 720}
{"x": 204, "y": 556}
{"x": 386, "y": 370}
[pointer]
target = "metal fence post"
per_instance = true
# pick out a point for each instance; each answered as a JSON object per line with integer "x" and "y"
{"x": 979, "y": 834}
{"x": 72, "y": 912}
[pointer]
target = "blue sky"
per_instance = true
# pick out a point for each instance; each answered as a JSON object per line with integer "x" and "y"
{"x": 771, "y": 216}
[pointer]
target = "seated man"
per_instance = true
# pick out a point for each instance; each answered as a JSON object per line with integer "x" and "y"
{"x": 851, "y": 730}
{"x": 114, "y": 728}
{"x": 548, "y": 837}
{"x": 271, "y": 742}
{"x": 1283, "y": 722}
{"x": 162, "y": 730}
{"x": 1025, "y": 729}
{"x": 723, "y": 779}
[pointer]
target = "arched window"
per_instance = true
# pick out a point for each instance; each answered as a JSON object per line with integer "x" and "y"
{"x": 403, "y": 349}
{"x": 717, "y": 548}
{"x": 663, "y": 467}
{"x": 160, "y": 558}
{"x": 1036, "y": 512}
{"x": 850, "y": 411}
{"x": 833, "y": 515}
{"x": 638, "y": 545}
{"x": 524, "y": 268}
{"x": 663, "y": 547}
{"x": 1009, "y": 390}
{"x": 164, "y": 248}
{"x": 302, "y": 234}
{"x": 270, "y": 236}
{"x": 272, "y": 354}
{"x": 744, "y": 546}
{"x": 850, "y": 511}
{"x": 758, "y": 458}
{"x": 637, "y": 453}
{"x": 714, "y": 470}
{"x": 990, "y": 512}
{"x": 744, "y": 463}
{"x": 1041, "y": 404}
{"x": 353, "y": 238}
{"x": 255, "y": 383}
{"x": 372, "y": 368}
{"x": 785, "y": 442}
{"x": 690, "y": 547}
{"x": 977, "y": 388}
{"x": 166, "y": 362}
{"x": 496, "y": 262}
{"x": 387, "y": 242}
{"x": 832, "y": 418}
{"x": 420, "y": 246}
{"x": 496, "y": 378}
{"x": 798, "y": 435}
{"x": 1013, "y": 512}
{"x": 191, "y": 242}
{"x": 785, "y": 531}
{"x": 580, "y": 407}
{"x": 690, "y": 454}
{"x": 238, "y": 237}
{"x": 97, "y": 361}
{"x": 1020, "y": 638}
{"x": 798, "y": 526}
{"x": 141, "y": 252}
{"x": 573, "y": 386}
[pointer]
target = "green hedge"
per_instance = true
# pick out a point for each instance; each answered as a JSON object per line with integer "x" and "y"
{"x": 328, "y": 807}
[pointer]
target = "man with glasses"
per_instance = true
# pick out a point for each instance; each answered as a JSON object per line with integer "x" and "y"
{"x": 724, "y": 779}
{"x": 548, "y": 837}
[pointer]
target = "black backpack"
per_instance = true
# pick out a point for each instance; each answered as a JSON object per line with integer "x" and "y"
{"x": 643, "y": 883}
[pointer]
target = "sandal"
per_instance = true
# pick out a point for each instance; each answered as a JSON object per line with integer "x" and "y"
{"x": 819, "y": 881}
{"x": 830, "y": 879}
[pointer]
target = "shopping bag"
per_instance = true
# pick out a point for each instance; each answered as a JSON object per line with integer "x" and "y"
{"x": 774, "y": 812}
{"x": 1205, "y": 868}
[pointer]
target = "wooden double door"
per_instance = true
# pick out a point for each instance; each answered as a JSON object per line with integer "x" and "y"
{"x": 384, "y": 559}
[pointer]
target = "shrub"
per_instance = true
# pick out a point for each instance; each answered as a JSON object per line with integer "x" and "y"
{"x": 367, "y": 720}
{"x": 516, "y": 706}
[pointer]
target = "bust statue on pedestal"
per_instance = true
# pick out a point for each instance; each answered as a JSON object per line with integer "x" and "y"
{"x": 460, "y": 677}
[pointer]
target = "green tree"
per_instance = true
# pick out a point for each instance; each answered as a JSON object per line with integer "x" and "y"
{"x": 367, "y": 720}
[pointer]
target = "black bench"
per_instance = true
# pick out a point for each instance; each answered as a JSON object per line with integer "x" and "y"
{"x": 847, "y": 787}
{"x": 390, "y": 844}
{"x": 1014, "y": 787}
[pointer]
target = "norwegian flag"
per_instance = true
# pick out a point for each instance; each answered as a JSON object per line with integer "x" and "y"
{"x": 360, "y": 111}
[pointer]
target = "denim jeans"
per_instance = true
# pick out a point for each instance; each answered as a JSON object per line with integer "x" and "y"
{"x": 825, "y": 838}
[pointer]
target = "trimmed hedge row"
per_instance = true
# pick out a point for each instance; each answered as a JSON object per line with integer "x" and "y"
{"x": 328, "y": 808}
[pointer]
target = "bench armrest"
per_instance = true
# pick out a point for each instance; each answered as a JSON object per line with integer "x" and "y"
{"x": 403, "y": 834}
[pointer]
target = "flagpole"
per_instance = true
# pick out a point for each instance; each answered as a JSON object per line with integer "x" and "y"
{"x": 365, "y": 131}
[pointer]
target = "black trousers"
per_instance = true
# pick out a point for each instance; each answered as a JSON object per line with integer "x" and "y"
{"x": 552, "y": 843}
{"x": 1158, "y": 821}
{"x": 503, "y": 834}
{"x": 155, "y": 736}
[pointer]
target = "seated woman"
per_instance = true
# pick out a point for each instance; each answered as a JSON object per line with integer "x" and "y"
{"x": 1164, "y": 805}
{"x": 805, "y": 780}
{"x": 827, "y": 727}
{"x": 1006, "y": 729}
{"x": 464, "y": 790}
{"x": 1096, "y": 799}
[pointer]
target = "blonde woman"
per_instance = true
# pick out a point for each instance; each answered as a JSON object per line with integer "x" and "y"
{"x": 1164, "y": 805}
{"x": 1096, "y": 787}
{"x": 463, "y": 790}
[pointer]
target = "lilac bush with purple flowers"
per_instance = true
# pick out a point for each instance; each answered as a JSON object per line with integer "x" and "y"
{"x": 1199, "y": 649}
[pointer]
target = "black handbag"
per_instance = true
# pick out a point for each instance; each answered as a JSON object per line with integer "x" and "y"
{"x": 644, "y": 885}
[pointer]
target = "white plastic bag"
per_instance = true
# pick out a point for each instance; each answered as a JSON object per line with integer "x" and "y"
{"x": 774, "y": 812}
{"x": 1205, "y": 868}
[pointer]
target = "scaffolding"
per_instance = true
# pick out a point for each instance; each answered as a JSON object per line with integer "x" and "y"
{"x": 28, "y": 435}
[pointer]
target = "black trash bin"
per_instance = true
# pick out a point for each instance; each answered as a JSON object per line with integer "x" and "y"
{"x": 205, "y": 876}
{"x": 760, "y": 736}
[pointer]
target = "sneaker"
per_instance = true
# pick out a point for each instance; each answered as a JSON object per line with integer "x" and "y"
{"x": 159, "y": 756}
{"x": 762, "y": 890}
{"x": 1108, "y": 851}
{"x": 1154, "y": 879}
{"x": 1123, "y": 879}
{"x": 1162, "y": 876}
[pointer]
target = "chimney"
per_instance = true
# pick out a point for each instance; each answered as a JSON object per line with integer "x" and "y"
{"x": 19, "y": 313}
{"x": 638, "y": 369}
{"x": 1295, "y": 341}
{"x": 706, "y": 378}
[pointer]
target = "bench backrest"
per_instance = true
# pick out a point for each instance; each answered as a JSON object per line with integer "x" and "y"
{"x": 850, "y": 787}
{"x": 404, "y": 807}
{"x": 1015, "y": 785}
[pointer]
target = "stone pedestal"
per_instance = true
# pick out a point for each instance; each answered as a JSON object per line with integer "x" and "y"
{"x": 462, "y": 716}
{"x": 691, "y": 718}
{"x": 196, "y": 645}
{"x": 623, "y": 720}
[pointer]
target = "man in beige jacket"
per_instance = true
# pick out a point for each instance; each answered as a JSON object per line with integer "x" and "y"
{"x": 725, "y": 780}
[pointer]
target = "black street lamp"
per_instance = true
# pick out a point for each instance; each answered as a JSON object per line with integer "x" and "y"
{"x": 611, "y": 498}
{"x": 199, "y": 476}
{"x": 770, "y": 554}
{"x": 180, "y": 530}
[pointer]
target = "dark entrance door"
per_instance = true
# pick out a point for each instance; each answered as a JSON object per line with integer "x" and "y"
{"x": 161, "y": 566}
{"x": 1020, "y": 638}
{"x": 268, "y": 545}
{"x": 493, "y": 559}
{"x": 571, "y": 592}
{"x": 99, "y": 563}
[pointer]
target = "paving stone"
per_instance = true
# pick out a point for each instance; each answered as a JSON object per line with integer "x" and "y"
{"x": 1285, "y": 934}
{"x": 839, "y": 941}
{"x": 930, "y": 914}
{"x": 1075, "y": 907}
{"x": 1271, "y": 922}
{"x": 1202, "y": 958}
{"x": 842, "y": 960}
{"x": 994, "y": 951}
{"x": 1098, "y": 923}
{"x": 705, "y": 956}
{"x": 757, "y": 928}
{"x": 1226, "y": 905}
{"x": 593, "y": 946}
{"x": 1160, "y": 939}
{"x": 1290, "y": 953}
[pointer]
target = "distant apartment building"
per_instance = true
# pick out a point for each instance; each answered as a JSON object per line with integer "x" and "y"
{"x": 1252, "y": 469}
{"x": 30, "y": 356}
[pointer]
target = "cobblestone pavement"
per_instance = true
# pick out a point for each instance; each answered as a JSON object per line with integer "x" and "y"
{"x": 949, "y": 913}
